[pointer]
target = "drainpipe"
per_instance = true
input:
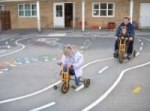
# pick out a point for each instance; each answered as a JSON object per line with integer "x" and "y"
{"x": 38, "y": 16}
{"x": 131, "y": 10}
{"x": 83, "y": 15}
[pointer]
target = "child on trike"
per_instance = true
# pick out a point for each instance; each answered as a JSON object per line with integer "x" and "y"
{"x": 70, "y": 63}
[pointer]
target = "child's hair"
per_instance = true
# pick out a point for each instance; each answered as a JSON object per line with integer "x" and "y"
{"x": 66, "y": 47}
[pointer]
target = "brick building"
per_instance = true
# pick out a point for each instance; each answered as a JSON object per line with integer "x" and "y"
{"x": 26, "y": 14}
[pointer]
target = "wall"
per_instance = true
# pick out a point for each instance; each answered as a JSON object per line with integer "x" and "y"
{"x": 121, "y": 9}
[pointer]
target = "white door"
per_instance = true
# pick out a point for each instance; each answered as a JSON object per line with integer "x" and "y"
{"x": 145, "y": 16}
{"x": 58, "y": 15}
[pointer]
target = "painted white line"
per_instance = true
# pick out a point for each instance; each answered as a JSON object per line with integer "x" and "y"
{"x": 99, "y": 60}
{"x": 100, "y": 99}
{"x": 103, "y": 69}
{"x": 43, "y": 107}
{"x": 6, "y": 42}
{"x": 80, "y": 87}
{"x": 142, "y": 43}
{"x": 141, "y": 48}
{"x": 56, "y": 35}
{"x": 12, "y": 65}
{"x": 22, "y": 47}
{"x": 29, "y": 95}
{"x": 8, "y": 46}
{"x": 137, "y": 54}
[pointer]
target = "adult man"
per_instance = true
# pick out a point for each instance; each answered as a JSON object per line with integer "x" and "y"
{"x": 130, "y": 29}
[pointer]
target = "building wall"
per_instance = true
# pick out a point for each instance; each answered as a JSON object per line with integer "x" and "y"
{"x": 103, "y": 21}
{"x": 47, "y": 12}
{"x": 16, "y": 21}
{"x": 122, "y": 8}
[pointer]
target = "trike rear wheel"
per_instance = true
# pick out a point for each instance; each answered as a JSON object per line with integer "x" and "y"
{"x": 86, "y": 83}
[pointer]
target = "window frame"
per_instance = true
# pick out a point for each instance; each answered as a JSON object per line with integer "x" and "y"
{"x": 99, "y": 3}
{"x": 24, "y": 10}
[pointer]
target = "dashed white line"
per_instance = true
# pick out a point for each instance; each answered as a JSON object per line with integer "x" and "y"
{"x": 100, "y": 99}
{"x": 43, "y": 107}
{"x": 137, "y": 54}
{"x": 8, "y": 46}
{"x": 103, "y": 69}
{"x": 141, "y": 48}
{"x": 142, "y": 44}
{"x": 80, "y": 87}
{"x": 6, "y": 42}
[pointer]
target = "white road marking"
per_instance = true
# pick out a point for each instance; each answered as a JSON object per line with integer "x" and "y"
{"x": 12, "y": 65}
{"x": 22, "y": 47}
{"x": 103, "y": 69}
{"x": 141, "y": 48}
{"x": 142, "y": 43}
{"x": 137, "y": 54}
{"x": 29, "y": 95}
{"x": 56, "y": 35}
{"x": 8, "y": 46}
{"x": 43, "y": 107}
{"x": 99, "y": 60}
{"x": 100, "y": 99}
{"x": 6, "y": 42}
{"x": 80, "y": 87}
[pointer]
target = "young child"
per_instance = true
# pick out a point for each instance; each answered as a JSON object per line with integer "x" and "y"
{"x": 124, "y": 33}
{"x": 73, "y": 59}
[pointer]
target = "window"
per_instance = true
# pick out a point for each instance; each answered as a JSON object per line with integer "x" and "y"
{"x": 27, "y": 10}
{"x": 103, "y": 9}
{"x": 1, "y": 8}
{"x": 59, "y": 10}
